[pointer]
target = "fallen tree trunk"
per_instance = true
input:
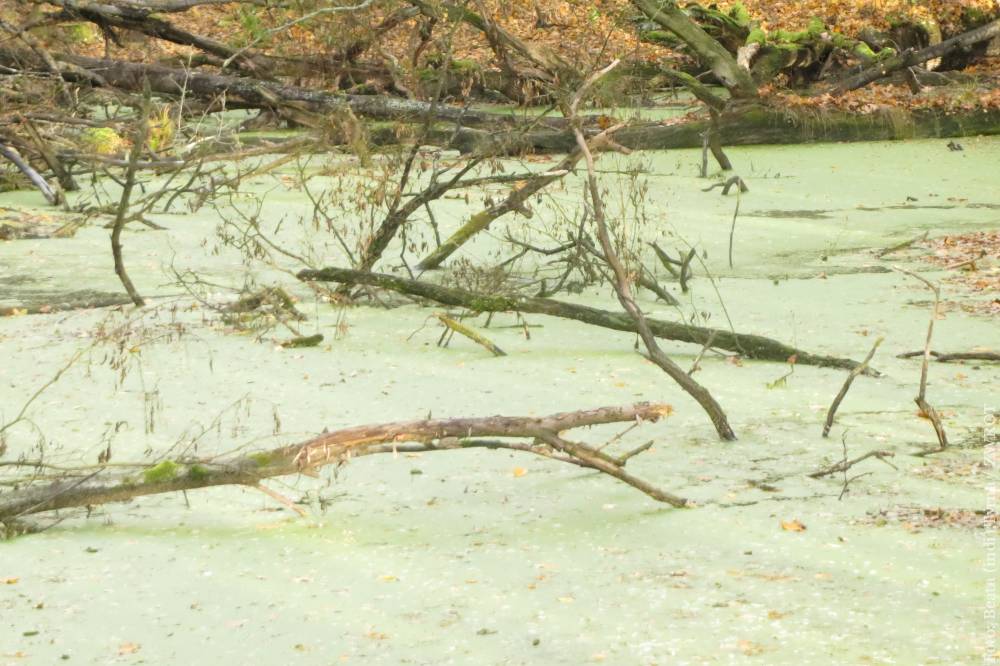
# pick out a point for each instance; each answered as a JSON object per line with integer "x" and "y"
{"x": 538, "y": 435}
{"x": 910, "y": 58}
{"x": 750, "y": 346}
{"x": 242, "y": 92}
{"x": 746, "y": 126}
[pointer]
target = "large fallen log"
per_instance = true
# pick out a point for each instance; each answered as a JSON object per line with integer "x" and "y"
{"x": 746, "y": 126}
{"x": 750, "y": 346}
{"x": 541, "y": 436}
{"x": 243, "y": 92}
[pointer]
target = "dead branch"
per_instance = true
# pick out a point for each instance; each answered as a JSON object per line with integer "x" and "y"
{"x": 847, "y": 385}
{"x": 943, "y": 357}
{"x": 750, "y": 346}
{"x": 103, "y": 484}
{"x": 901, "y": 246}
{"x": 845, "y": 465}
{"x": 464, "y": 330}
{"x": 921, "y": 400}
{"x": 36, "y": 178}
{"x": 621, "y": 281}
{"x": 911, "y": 58}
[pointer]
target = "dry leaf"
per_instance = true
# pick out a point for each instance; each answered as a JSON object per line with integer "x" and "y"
{"x": 793, "y": 526}
{"x": 128, "y": 648}
{"x": 749, "y": 648}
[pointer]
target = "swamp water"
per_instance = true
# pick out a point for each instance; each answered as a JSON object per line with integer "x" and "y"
{"x": 483, "y": 557}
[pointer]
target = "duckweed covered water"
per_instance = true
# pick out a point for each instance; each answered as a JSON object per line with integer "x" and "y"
{"x": 452, "y": 557}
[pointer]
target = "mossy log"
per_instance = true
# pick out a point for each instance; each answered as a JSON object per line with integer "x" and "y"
{"x": 754, "y": 125}
{"x": 538, "y": 435}
{"x": 750, "y": 346}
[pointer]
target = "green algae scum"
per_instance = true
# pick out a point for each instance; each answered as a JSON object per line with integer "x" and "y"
{"x": 496, "y": 556}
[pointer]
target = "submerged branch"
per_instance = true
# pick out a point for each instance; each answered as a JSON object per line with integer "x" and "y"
{"x": 750, "y": 346}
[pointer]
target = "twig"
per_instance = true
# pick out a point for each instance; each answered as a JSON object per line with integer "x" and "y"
{"x": 732, "y": 228}
{"x": 845, "y": 465}
{"x": 905, "y": 244}
{"x": 847, "y": 385}
{"x": 281, "y": 499}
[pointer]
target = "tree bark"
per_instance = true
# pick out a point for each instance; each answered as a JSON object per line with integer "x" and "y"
{"x": 242, "y": 92}
{"x": 101, "y": 485}
{"x": 709, "y": 51}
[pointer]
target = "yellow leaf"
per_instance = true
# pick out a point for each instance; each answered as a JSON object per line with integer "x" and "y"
{"x": 793, "y": 526}
{"x": 520, "y": 471}
{"x": 11, "y": 581}
{"x": 128, "y": 648}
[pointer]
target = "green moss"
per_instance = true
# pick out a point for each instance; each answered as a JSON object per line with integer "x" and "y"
{"x": 262, "y": 458}
{"x": 426, "y": 73}
{"x": 198, "y": 472}
{"x": 658, "y": 37}
{"x": 740, "y": 14}
{"x": 164, "y": 471}
{"x": 757, "y": 36}
{"x": 864, "y": 51}
{"x": 460, "y": 66}
{"x": 80, "y": 33}
{"x": 492, "y": 304}
{"x": 787, "y": 36}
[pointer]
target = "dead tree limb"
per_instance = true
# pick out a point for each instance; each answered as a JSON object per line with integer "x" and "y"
{"x": 621, "y": 281}
{"x": 926, "y": 409}
{"x": 847, "y": 385}
{"x": 138, "y": 143}
{"x": 243, "y": 92}
{"x": 539, "y": 435}
{"x": 36, "y": 178}
{"x": 943, "y": 357}
{"x": 460, "y": 328}
{"x": 142, "y": 20}
{"x": 515, "y": 201}
{"x": 750, "y": 346}
{"x": 910, "y": 58}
